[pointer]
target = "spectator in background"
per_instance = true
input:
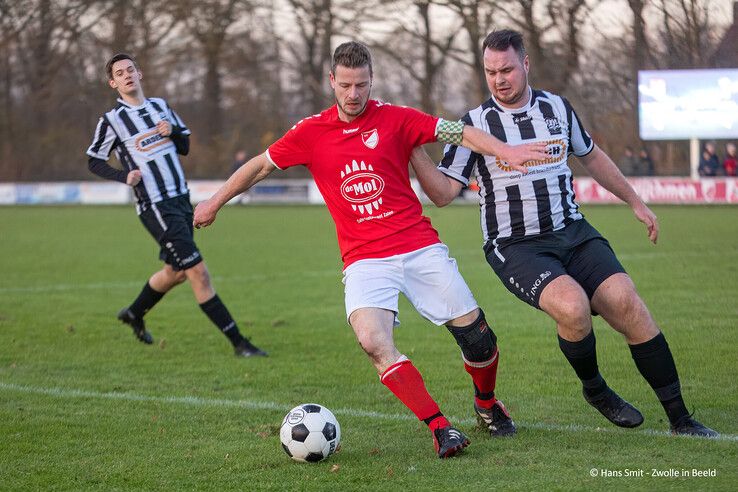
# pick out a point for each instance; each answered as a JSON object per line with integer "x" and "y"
{"x": 628, "y": 163}
{"x": 729, "y": 164}
{"x": 645, "y": 163}
{"x": 709, "y": 163}
{"x": 239, "y": 159}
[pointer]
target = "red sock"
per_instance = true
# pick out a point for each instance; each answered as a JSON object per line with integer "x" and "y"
{"x": 406, "y": 383}
{"x": 484, "y": 376}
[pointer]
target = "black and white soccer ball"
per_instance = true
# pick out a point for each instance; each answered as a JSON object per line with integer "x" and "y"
{"x": 310, "y": 432}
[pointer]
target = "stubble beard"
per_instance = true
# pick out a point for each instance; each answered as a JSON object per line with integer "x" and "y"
{"x": 515, "y": 97}
{"x": 355, "y": 113}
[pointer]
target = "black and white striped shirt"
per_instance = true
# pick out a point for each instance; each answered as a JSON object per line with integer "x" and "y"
{"x": 130, "y": 131}
{"x": 514, "y": 205}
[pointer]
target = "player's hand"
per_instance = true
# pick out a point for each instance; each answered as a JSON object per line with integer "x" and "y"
{"x": 204, "y": 215}
{"x": 134, "y": 177}
{"x": 164, "y": 128}
{"x": 517, "y": 155}
{"x": 645, "y": 215}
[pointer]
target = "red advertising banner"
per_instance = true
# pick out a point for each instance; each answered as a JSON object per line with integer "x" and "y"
{"x": 664, "y": 190}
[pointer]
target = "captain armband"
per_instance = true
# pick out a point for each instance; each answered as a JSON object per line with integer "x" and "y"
{"x": 450, "y": 131}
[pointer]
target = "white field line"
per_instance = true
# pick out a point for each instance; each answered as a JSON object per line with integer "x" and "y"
{"x": 197, "y": 401}
{"x": 137, "y": 283}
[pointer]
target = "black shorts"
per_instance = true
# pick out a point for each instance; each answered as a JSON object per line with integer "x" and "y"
{"x": 170, "y": 223}
{"x": 577, "y": 250}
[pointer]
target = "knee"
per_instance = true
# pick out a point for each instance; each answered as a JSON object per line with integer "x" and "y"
{"x": 372, "y": 341}
{"x": 617, "y": 296}
{"x": 572, "y": 310}
{"x": 198, "y": 275}
{"x": 370, "y": 344}
{"x": 179, "y": 277}
{"x": 172, "y": 277}
{"x": 477, "y": 341}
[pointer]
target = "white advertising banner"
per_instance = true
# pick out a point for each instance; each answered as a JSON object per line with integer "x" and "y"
{"x": 104, "y": 193}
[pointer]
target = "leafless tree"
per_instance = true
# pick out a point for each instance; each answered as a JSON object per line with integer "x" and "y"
{"x": 477, "y": 19}
{"x": 419, "y": 46}
{"x": 308, "y": 55}
{"x": 240, "y": 72}
{"x": 687, "y": 36}
{"x": 209, "y": 23}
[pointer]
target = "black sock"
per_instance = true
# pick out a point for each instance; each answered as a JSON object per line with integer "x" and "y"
{"x": 656, "y": 364}
{"x": 432, "y": 418}
{"x": 219, "y": 315}
{"x": 582, "y": 356}
{"x": 145, "y": 301}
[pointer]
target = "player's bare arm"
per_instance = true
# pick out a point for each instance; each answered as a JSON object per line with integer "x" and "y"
{"x": 605, "y": 172}
{"x": 245, "y": 177}
{"x": 515, "y": 155}
{"x": 456, "y": 133}
{"x": 440, "y": 188}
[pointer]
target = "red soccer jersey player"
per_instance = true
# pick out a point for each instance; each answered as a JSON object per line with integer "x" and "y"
{"x": 358, "y": 152}
{"x": 361, "y": 169}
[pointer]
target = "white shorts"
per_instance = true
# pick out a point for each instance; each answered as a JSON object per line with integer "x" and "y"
{"x": 428, "y": 277}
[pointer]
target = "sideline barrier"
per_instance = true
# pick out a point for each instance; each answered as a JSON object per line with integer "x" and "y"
{"x": 664, "y": 190}
{"x": 304, "y": 191}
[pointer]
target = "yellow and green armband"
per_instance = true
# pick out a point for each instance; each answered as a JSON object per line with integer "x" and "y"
{"x": 450, "y": 131}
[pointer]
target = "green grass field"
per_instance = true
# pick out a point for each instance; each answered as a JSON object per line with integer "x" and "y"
{"x": 83, "y": 405}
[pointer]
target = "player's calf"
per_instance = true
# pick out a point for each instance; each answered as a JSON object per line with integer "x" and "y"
{"x": 479, "y": 351}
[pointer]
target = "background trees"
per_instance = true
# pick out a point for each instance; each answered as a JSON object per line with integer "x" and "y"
{"x": 240, "y": 72}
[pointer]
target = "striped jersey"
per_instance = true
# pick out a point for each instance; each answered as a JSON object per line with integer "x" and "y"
{"x": 130, "y": 132}
{"x": 515, "y": 205}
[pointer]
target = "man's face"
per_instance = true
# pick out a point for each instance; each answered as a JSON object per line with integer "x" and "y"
{"x": 507, "y": 76}
{"x": 126, "y": 77}
{"x": 351, "y": 87}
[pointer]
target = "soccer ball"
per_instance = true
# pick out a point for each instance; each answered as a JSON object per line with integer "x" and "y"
{"x": 310, "y": 432}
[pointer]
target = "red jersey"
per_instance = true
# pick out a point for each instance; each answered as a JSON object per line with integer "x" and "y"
{"x": 361, "y": 169}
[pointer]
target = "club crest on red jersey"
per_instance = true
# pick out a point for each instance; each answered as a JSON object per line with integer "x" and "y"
{"x": 370, "y": 138}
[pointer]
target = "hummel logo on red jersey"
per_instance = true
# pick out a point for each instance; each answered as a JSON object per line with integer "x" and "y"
{"x": 350, "y": 130}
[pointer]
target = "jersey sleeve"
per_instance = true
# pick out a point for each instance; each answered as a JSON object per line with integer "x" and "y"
{"x": 294, "y": 148}
{"x": 458, "y": 162}
{"x": 103, "y": 141}
{"x": 420, "y": 128}
{"x": 176, "y": 120}
{"x": 580, "y": 141}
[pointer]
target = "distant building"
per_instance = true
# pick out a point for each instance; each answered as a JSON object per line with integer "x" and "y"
{"x": 726, "y": 54}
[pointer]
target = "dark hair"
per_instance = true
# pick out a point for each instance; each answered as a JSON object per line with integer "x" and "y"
{"x": 501, "y": 40}
{"x": 116, "y": 58}
{"x": 352, "y": 55}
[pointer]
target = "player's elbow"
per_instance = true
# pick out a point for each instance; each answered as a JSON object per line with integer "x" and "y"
{"x": 183, "y": 146}
{"x": 92, "y": 164}
{"x": 441, "y": 199}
